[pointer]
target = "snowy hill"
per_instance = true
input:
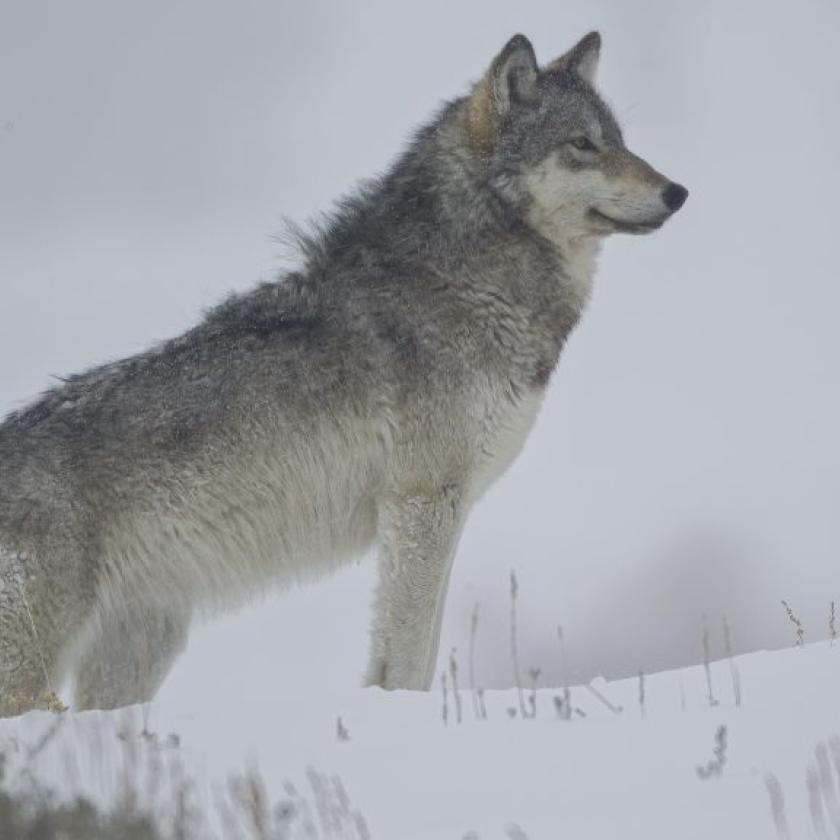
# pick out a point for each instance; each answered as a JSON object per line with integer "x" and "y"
{"x": 677, "y": 766}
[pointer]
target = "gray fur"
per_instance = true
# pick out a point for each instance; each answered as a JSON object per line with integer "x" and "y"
{"x": 368, "y": 398}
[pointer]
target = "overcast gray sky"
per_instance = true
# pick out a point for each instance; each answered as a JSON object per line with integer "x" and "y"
{"x": 686, "y": 460}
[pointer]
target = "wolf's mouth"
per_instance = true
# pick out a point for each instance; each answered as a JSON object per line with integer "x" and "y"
{"x": 624, "y": 227}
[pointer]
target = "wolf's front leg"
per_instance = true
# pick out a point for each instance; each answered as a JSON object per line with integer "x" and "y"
{"x": 418, "y": 534}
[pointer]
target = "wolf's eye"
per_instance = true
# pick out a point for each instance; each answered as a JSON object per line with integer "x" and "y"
{"x": 583, "y": 144}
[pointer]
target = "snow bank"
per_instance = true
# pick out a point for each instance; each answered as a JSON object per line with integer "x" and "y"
{"x": 615, "y": 769}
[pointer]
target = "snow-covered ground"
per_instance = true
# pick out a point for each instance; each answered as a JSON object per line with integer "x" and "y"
{"x": 613, "y": 770}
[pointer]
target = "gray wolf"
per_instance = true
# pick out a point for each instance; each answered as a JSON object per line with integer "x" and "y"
{"x": 368, "y": 398}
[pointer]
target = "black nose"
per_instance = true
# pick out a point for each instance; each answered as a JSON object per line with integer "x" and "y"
{"x": 674, "y": 196}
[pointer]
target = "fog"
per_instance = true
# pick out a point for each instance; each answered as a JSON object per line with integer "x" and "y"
{"x": 686, "y": 459}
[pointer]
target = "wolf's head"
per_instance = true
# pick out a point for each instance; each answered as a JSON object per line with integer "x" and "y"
{"x": 552, "y": 146}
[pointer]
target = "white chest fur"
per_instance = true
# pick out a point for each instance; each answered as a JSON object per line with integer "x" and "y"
{"x": 579, "y": 261}
{"x": 504, "y": 428}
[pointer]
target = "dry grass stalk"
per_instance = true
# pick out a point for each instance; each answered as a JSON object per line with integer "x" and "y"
{"x": 453, "y": 673}
{"x": 794, "y": 620}
{"x": 616, "y": 710}
{"x": 777, "y": 806}
{"x": 564, "y": 703}
{"x": 514, "y": 651}
{"x": 707, "y": 663}
{"x": 714, "y": 767}
{"x": 733, "y": 667}
{"x": 445, "y": 690}
{"x": 642, "y": 692}
{"x": 477, "y": 711}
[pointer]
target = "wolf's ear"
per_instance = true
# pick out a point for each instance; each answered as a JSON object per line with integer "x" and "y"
{"x": 511, "y": 79}
{"x": 513, "y": 74}
{"x": 582, "y": 58}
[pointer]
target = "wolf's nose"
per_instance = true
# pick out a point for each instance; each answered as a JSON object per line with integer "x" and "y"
{"x": 674, "y": 196}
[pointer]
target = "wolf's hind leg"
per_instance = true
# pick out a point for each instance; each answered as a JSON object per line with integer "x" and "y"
{"x": 128, "y": 655}
{"x": 419, "y": 533}
{"x": 42, "y": 605}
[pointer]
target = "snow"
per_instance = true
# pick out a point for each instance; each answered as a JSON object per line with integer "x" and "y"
{"x": 632, "y": 773}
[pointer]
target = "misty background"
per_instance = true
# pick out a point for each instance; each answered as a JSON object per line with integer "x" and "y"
{"x": 686, "y": 459}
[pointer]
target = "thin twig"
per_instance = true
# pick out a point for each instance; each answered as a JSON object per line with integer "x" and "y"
{"x": 514, "y": 589}
{"x": 794, "y": 620}
{"x": 453, "y": 672}
{"x": 714, "y": 767}
{"x": 815, "y": 804}
{"x": 597, "y": 694}
{"x": 473, "y": 633}
{"x": 777, "y": 806}
{"x": 707, "y": 664}
{"x": 733, "y": 667}
{"x": 534, "y": 674}
{"x": 564, "y": 704}
{"x": 642, "y": 691}
{"x": 445, "y": 712}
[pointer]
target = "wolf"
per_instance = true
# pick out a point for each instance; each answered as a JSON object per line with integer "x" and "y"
{"x": 369, "y": 397}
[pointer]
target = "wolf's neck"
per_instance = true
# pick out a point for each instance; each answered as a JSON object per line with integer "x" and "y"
{"x": 579, "y": 259}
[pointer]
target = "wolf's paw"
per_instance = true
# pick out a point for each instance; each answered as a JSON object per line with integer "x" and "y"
{"x": 54, "y": 704}
{"x": 376, "y": 676}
